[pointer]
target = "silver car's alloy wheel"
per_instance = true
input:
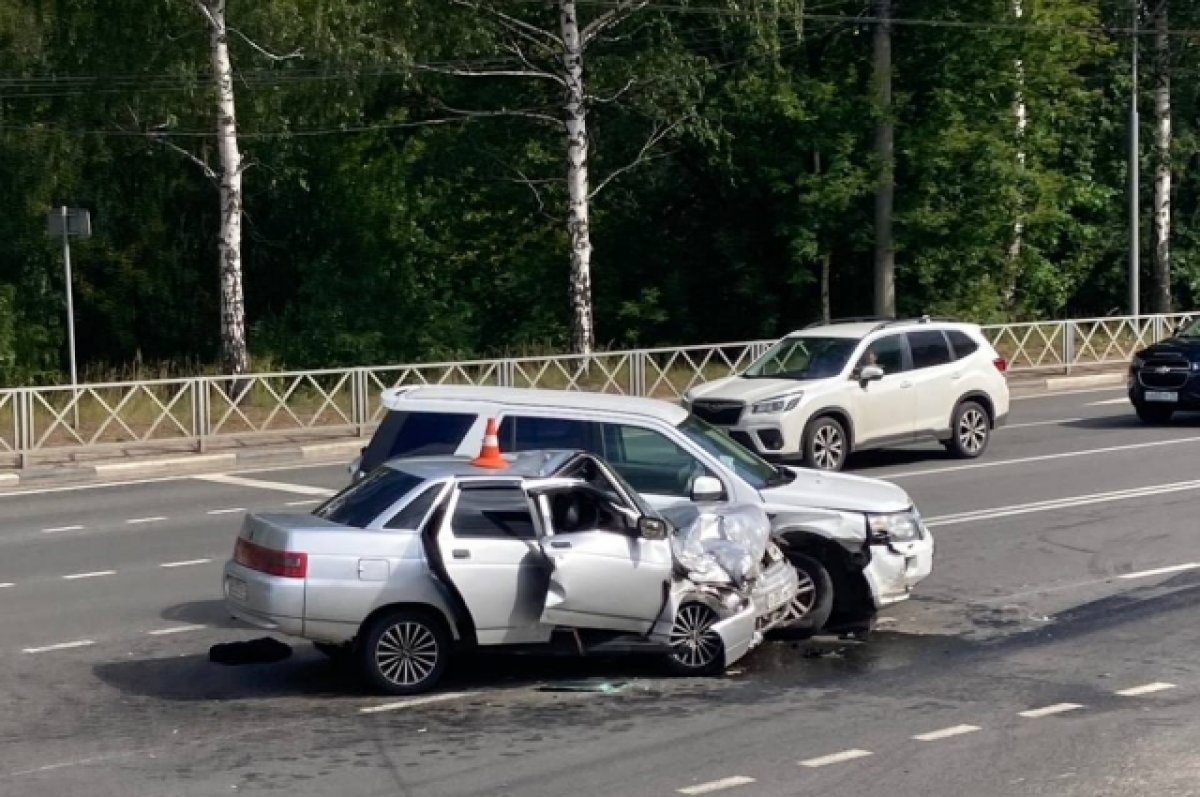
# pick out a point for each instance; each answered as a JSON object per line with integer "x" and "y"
{"x": 972, "y": 430}
{"x": 828, "y": 448}
{"x": 806, "y": 598}
{"x": 694, "y": 643}
{"x": 407, "y": 653}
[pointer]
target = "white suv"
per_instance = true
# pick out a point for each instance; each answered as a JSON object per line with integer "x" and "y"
{"x": 828, "y": 390}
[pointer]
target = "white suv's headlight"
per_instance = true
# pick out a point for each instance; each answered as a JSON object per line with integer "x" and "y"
{"x": 895, "y": 527}
{"x": 778, "y": 404}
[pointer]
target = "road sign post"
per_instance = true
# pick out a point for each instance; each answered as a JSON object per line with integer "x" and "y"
{"x": 66, "y": 222}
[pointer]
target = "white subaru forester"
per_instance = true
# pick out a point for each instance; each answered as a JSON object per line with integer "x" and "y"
{"x": 832, "y": 389}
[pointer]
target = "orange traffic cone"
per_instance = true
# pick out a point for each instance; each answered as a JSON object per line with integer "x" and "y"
{"x": 489, "y": 455}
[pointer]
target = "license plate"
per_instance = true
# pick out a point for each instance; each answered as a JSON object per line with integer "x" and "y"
{"x": 236, "y": 588}
{"x": 1161, "y": 395}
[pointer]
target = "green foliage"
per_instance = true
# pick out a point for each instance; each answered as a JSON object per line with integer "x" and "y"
{"x": 382, "y": 225}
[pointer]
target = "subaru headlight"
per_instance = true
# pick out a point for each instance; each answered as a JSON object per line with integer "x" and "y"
{"x": 773, "y": 406}
{"x": 1138, "y": 362}
{"x": 894, "y": 527}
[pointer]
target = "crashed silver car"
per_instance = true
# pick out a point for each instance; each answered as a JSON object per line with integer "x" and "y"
{"x": 428, "y": 555}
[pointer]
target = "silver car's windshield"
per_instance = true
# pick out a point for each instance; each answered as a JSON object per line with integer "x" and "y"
{"x": 753, "y": 470}
{"x": 363, "y": 501}
{"x": 803, "y": 357}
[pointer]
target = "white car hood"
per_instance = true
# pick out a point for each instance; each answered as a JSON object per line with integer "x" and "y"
{"x": 821, "y": 490}
{"x": 748, "y": 390}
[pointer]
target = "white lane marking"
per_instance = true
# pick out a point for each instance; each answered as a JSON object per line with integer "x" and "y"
{"x": 186, "y": 563}
{"x": 1161, "y": 571}
{"x": 7, "y": 584}
{"x": 1032, "y": 424}
{"x": 93, "y": 574}
{"x": 1061, "y": 503}
{"x": 412, "y": 702}
{"x": 79, "y": 643}
{"x": 228, "y": 511}
{"x": 717, "y": 785}
{"x": 175, "y": 629}
{"x": 76, "y": 763}
{"x": 305, "y": 502}
{"x": 1046, "y": 711}
{"x": 1000, "y": 463}
{"x": 138, "y": 520}
{"x": 283, "y": 487}
{"x": 1146, "y": 689}
{"x": 57, "y": 529}
{"x": 1057, "y": 393}
{"x": 946, "y": 733}
{"x": 1108, "y": 402}
{"x": 835, "y": 758}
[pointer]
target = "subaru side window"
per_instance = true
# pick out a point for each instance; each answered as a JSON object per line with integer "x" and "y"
{"x": 530, "y": 433}
{"x": 493, "y": 512}
{"x": 887, "y": 353}
{"x": 962, "y": 343}
{"x": 649, "y": 461}
{"x": 414, "y": 434}
{"x": 929, "y": 348}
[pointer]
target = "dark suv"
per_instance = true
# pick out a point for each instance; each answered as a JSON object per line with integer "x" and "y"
{"x": 1165, "y": 378}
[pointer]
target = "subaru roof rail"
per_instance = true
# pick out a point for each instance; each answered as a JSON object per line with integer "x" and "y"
{"x": 855, "y": 319}
{"x": 925, "y": 319}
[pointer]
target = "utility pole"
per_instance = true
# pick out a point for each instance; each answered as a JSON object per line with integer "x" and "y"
{"x": 1134, "y": 291}
{"x": 885, "y": 250}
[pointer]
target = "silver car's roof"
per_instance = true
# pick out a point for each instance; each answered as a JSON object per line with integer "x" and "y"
{"x": 523, "y": 465}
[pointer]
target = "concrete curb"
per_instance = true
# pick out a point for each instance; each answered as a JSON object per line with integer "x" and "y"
{"x": 181, "y": 465}
{"x": 1094, "y": 380}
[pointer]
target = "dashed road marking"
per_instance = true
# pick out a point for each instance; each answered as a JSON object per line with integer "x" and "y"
{"x": 717, "y": 785}
{"x": 1063, "y": 503}
{"x": 57, "y": 529}
{"x": 138, "y": 520}
{"x": 93, "y": 574}
{"x": 835, "y": 758}
{"x": 413, "y": 702}
{"x": 1056, "y": 393}
{"x": 305, "y": 502}
{"x": 1109, "y": 402}
{"x": 79, "y": 643}
{"x": 1146, "y": 689}
{"x": 186, "y": 563}
{"x": 1046, "y": 711}
{"x": 228, "y": 511}
{"x": 175, "y": 629}
{"x": 946, "y": 733}
{"x": 1032, "y": 424}
{"x": 284, "y": 487}
{"x": 1161, "y": 571}
{"x": 7, "y": 584}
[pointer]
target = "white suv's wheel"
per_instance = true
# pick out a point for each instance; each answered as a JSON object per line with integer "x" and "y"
{"x": 970, "y": 430}
{"x": 826, "y": 444}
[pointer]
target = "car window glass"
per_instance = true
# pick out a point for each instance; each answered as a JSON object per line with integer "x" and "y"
{"x": 493, "y": 512}
{"x": 928, "y": 348}
{"x": 579, "y": 510}
{"x": 360, "y": 503}
{"x": 802, "y": 357}
{"x": 413, "y": 434}
{"x": 887, "y": 353}
{"x": 530, "y": 433}
{"x": 412, "y": 513}
{"x": 649, "y": 461}
{"x": 962, "y": 343}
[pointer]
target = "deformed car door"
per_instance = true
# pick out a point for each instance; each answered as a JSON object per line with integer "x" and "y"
{"x": 603, "y": 573}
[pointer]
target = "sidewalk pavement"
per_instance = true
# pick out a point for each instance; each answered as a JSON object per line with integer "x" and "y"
{"x": 167, "y": 460}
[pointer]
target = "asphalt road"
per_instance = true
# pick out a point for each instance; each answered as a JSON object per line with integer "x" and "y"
{"x": 1052, "y": 652}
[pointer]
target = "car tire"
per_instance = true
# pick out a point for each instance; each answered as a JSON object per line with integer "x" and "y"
{"x": 1152, "y": 414}
{"x": 970, "y": 430}
{"x": 696, "y": 649}
{"x": 811, "y": 608}
{"x": 826, "y": 444}
{"x": 404, "y": 652}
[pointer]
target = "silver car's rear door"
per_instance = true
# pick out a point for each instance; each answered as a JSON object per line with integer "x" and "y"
{"x": 603, "y": 574}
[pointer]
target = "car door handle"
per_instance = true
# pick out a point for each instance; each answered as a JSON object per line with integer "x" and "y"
{"x": 461, "y": 553}
{"x": 560, "y": 543}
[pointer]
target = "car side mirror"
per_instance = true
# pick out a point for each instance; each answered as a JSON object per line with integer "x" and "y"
{"x": 707, "y": 488}
{"x": 652, "y": 528}
{"x": 870, "y": 373}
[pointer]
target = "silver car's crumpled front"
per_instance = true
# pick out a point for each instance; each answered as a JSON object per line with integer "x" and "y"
{"x": 720, "y": 542}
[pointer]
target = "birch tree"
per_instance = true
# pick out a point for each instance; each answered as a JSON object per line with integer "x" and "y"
{"x": 1021, "y": 122}
{"x": 885, "y": 249}
{"x": 1161, "y": 293}
{"x": 559, "y": 54}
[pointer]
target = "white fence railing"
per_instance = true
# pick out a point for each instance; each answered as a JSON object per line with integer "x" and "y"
{"x": 194, "y": 411}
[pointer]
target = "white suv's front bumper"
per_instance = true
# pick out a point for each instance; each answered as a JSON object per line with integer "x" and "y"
{"x": 895, "y": 568}
{"x": 769, "y": 435}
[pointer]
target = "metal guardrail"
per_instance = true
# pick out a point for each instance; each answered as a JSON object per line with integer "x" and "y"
{"x": 195, "y": 411}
